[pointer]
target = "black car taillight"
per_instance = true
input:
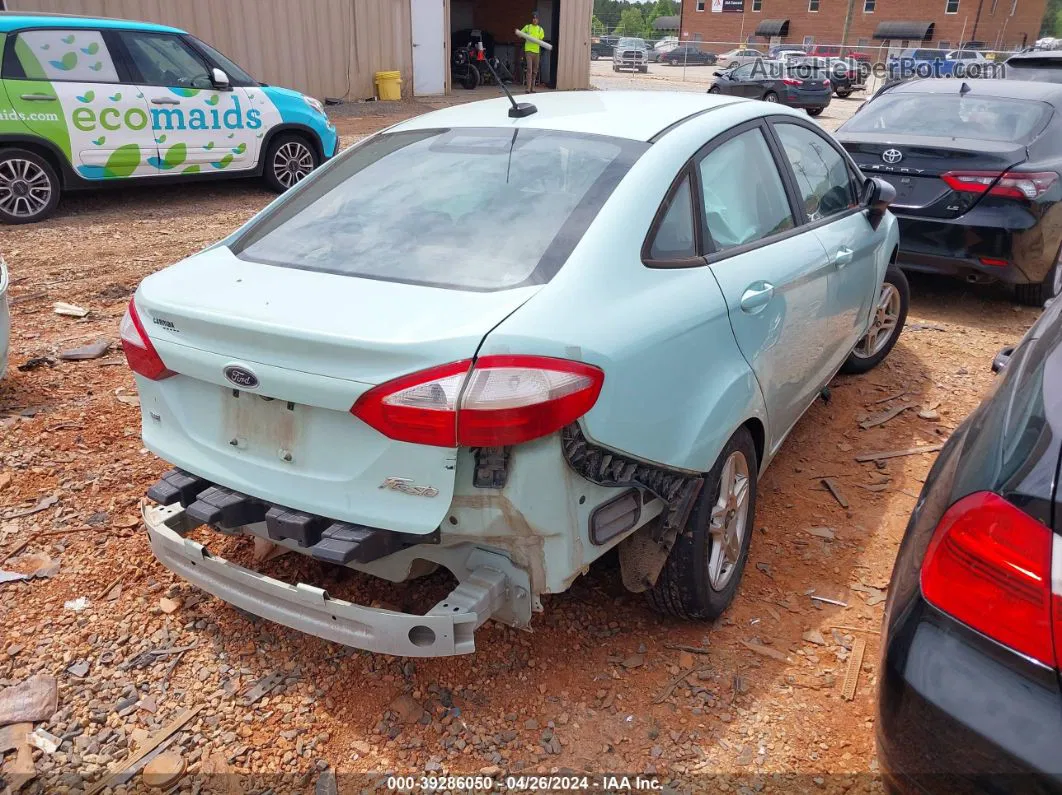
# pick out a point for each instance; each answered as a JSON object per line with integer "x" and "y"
{"x": 989, "y": 565}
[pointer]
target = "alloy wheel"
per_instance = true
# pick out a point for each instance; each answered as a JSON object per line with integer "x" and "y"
{"x": 728, "y": 521}
{"x": 883, "y": 324}
{"x": 292, "y": 163}
{"x": 25, "y": 189}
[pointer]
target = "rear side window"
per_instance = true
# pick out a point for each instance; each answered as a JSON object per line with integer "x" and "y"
{"x": 68, "y": 55}
{"x": 986, "y": 118}
{"x": 744, "y": 200}
{"x": 1044, "y": 70}
{"x": 674, "y": 239}
{"x": 473, "y": 209}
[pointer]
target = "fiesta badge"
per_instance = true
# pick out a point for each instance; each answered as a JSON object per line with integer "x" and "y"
{"x": 241, "y": 376}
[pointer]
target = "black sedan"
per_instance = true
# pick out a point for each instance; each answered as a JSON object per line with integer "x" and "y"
{"x": 685, "y": 55}
{"x": 976, "y": 169}
{"x": 795, "y": 85}
{"x": 969, "y": 697}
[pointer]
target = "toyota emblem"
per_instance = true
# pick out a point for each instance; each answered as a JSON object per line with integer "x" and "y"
{"x": 892, "y": 156}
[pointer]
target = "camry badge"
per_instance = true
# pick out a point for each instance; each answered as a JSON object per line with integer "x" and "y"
{"x": 241, "y": 376}
{"x": 892, "y": 156}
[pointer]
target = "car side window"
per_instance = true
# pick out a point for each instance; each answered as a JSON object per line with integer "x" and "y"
{"x": 742, "y": 72}
{"x": 674, "y": 238}
{"x": 69, "y": 55}
{"x": 164, "y": 60}
{"x": 822, "y": 175}
{"x": 744, "y": 199}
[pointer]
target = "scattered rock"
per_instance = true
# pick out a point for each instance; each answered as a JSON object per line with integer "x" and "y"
{"x": 407, "y": 709}
{"x": 929, "y": 414}
{"x": 685, "y": 660}
{"x": 168, "y": 606}
{"x": 814, "y": 636}
{"x": 68, "y": 310}
{"x": 31, "y": 701}
{"x": 94, "y": 351}
{"x": 634, "y": 661}
{"x": 79, "y": 669}
{"x": 531, "y": 725}
{"x": 164, "y": 770}
{"x": 823, "y": 532}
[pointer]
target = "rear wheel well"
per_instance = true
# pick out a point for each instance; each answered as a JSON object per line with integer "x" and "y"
{"x": 759, "y": 438}
{"x": 894, "y": 254}
{"x": 41, "y": 150}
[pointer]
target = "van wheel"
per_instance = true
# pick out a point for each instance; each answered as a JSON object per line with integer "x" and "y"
{"x": 289, "y": 160}
{"x": 703, "y": 570}
{"x": 886, "y": 325}
{"x": 814, "y": 111}
{"x": 844, "y": 93}
{"x": 29, "y": 187}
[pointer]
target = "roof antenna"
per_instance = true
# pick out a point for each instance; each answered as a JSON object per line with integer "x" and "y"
{"x": 964, "y": 89}
{"x": 519, "y": 109}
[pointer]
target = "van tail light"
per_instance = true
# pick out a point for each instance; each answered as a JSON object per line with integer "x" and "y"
{"x": 989, "y": 566}
{"x": 141, "y": 355}
{"x": 494, "y": 402}
{"x": 1009, "y": 184}
{"x": 792, "y": 81}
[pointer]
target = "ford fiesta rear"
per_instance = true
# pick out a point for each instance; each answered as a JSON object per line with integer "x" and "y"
{"x": 315, "y": 381}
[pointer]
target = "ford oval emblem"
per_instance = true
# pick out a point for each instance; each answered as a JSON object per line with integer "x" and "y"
{"x": 241, "y": 376}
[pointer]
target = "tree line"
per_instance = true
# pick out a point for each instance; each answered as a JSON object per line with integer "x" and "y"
{"x": 629, "y": 18}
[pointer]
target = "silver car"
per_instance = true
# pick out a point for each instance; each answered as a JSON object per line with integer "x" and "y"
{"x": 5, "y": 317}
{"x": 739, "y": 57}
{"x": 630, "y": 53}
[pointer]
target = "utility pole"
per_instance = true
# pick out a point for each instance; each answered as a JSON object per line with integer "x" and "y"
{"x": 977, "y": 18}
{"x": 847, "y": 23}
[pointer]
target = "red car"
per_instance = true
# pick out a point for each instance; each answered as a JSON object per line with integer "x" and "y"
{"x": 834, "y": 51}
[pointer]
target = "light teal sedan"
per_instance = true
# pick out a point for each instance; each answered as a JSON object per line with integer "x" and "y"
{"x": 505, "y": 346}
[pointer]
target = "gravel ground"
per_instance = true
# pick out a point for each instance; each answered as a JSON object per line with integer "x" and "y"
{"x": 593, "y": 688}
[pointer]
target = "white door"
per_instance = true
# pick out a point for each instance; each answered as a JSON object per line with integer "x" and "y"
{"x": 429, "y": 55}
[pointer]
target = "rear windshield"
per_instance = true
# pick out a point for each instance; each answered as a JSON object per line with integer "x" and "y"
{"x": 952, "y": 116}
{"x": 471, "y": 209}
{"x": 1045, "y": 70}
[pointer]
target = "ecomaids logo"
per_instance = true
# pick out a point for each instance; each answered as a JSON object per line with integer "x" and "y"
{"x": 209, "y": 118}
{"x": 8, "y": 114}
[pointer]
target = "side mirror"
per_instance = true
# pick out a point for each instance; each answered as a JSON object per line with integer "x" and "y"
{"x": 877, "y": 195}
{"x": 219, "y": 79}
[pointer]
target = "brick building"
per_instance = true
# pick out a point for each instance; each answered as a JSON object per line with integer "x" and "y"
{"x": 867, "y": 24}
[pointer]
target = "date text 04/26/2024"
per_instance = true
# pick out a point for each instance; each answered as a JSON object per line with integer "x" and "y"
{"x": 603, "y": 783}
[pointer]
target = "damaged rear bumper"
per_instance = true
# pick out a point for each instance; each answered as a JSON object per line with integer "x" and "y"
{"x": 446, "y": 630}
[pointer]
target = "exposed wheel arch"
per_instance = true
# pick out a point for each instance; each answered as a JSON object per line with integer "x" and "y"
{"x": 759, "y": 437}
{"x": 296, "y": 129}
{"x": 45, "y": 149}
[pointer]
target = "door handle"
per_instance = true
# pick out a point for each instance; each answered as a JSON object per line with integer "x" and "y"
{"x": 756, "y": 297}
{"x": 164, "y": 101}
{"x": 38, "y": 97}
{"x": 843, "y": 256}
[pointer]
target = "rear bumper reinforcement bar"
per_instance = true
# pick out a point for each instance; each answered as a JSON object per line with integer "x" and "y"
{"x": 446, "y": 630}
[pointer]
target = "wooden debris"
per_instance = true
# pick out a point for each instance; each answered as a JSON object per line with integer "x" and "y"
{"x": 890, "y": 397}
{"x": 690, "y": 649}
{"x": 109, "y": 588}
{"x": 928, "y": 448}
{"x": 831, "y": 486}
{"x": 855, "y": 665}
{"x": 885, "y": 416}
{"x": 22, "y": 771}
{"x": 765, "y": 651}
{"x": 264, "y": 685}
{"x": 96, "y": 350}
{"x": 15, "y": 551}
{"x": 156, "y": 739}
{"x": 44, "y": 504}
{"x": 69, "y": 310}
{"x": 670, "y": 688}
{"x": 855, "y": 629}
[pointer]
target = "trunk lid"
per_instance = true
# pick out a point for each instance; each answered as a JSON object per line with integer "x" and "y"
{"x": 304, "y": 345}
{"x": 923, "y": 160}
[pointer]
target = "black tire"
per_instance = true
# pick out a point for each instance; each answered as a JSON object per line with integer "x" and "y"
{"x": 593, "y": 56}
{"x": 1039, "y": 294}
{"x": 814, "y": 111}
{"x": 471, "y": 79}
{"x": 844, "y": 93}
{"x": 279, "y": 171}
{"x": 770, "y": 96}
{"x": 714, "y": 90}
{"x": 29, "y": 187}
{"x": 858, "y": 362}
{"x": 683, "y": 588}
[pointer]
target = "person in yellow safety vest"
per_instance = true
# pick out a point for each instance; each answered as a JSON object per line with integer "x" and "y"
{"x": 532, "y": 50}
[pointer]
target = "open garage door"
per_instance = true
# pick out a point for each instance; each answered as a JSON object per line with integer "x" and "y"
{"x": 493, "y": 23}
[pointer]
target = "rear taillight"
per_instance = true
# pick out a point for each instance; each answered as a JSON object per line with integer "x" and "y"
{"x": 495, "y": 402}
{"x": 1011, "y": 184}
{"x": 792, "y": 81}
{"x": 139, "y": 352}
{"x": 989, "y": 566}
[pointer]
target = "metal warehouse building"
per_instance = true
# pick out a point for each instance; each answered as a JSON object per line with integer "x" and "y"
{"x": 333, "y": 48}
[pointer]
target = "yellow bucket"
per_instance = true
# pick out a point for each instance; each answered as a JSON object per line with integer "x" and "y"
{"x": 389, "y": 85}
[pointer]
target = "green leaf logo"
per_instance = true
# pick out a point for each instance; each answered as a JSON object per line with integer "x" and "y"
{"x": 223, "y": 162}
{"x": 68, "y": 39}
{"x": 66, "y": 63}
{"x": 185, "y": 92}
{"x": 92, "y": 49}
{"x": 123, "y": 161}
{"x": 208, "y": 146}
{"x": 88, "y": 96}
{"x": 175, "y": 155}
{"x": 100, "y": 141}
{"x": 116, "y": 98}
{"x": 239, "y": 150}
{"x": 191, "y": 170}
{"x": 212, "y": 101}
{"x": 161, "y": 139}
{"x": 96, "y": 66}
